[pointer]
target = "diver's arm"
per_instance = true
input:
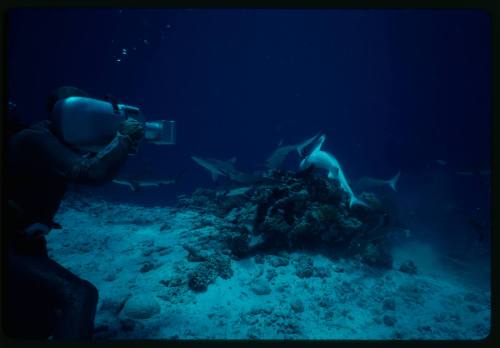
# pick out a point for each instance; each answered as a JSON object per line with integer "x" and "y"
{"x": 46, "y": 148}
{"x": 104, "y": 165}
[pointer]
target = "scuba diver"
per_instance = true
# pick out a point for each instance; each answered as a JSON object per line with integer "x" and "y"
{"x": 41, "y": 297}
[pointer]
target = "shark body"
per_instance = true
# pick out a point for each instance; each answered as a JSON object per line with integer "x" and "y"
{"x": 325, "y": 160}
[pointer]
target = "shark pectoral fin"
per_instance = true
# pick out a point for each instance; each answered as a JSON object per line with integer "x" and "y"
{"x": 134, "y": 186}
{"x": 333, "y": 174}
{"x": 394, "y": 180}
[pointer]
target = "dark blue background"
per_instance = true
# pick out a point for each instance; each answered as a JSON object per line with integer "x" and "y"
{"x": 390, "y": 89}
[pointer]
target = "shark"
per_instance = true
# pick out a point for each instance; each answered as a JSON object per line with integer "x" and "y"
{"x": 226, "y": 168}
{"x": 366, "y": 182}
{"x": 279, "y": 155}
{"x": 215, "y": 166}
{"x": 322, "y": 159}
{"x": 135, "y": 183}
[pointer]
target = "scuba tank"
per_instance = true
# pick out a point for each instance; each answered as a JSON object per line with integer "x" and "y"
{"x": 90, "y": 124}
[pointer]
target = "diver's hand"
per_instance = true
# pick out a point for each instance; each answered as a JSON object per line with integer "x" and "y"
{"x": 133, "y": 130}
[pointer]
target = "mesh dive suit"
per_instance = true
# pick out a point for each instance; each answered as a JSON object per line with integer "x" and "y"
{"x": 40, "y": 296}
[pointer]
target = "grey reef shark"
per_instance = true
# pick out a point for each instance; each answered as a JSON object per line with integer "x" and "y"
{"x": 135, "y": 183}
{"x": 226, "y": 168}
{"x": 322, "y": 159}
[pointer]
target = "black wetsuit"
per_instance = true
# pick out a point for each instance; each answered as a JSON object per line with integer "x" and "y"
{"x": 41, "y": 297}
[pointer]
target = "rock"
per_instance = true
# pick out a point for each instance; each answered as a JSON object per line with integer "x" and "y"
{"x": 376, "y": 256}
{"x": 200, "y": 278}
{"x": 111, "y": 276}
{"x": 206, "y": 272}
{"x": 260, "y": 287}
{"x": 222, "y": 265}
{"x": 322, "y": 272}
{"x": 408, "y": 267}
{"x": 114, "y": 304}
{"x": 253, "y": 333}
{"x": 473, "y": 309}
{"x": 297, "y": 305}
{"x": 389, "y": 304}
{"x": 146, "y": 267}
{"x": 239, "y": 243}
{"x": 412, "y": 293}
{"x": 165, "y": 226}
{"x": 141, "y": 307}
{"x": 195, "y": 254}
{"x": 127, "y": 324}
{"x": 173, "y": 282}
{"x": 339, "y": 269}
{"x": 389, "y": 320}
{"x": 259, "y": 259}
{"x": 304, "y": 268}
{"x": 271, "y": 273}
{"x": 477, "y": 298}
{"x": 278, "y": 261}
{"x": 261, "y": 308}
{"x": 101, "y": 328}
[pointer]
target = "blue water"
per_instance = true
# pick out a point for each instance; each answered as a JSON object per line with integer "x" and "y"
{"x": 391, "y": 89}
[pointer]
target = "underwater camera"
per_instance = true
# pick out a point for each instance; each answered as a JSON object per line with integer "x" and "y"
{"x": 90, "y": 124}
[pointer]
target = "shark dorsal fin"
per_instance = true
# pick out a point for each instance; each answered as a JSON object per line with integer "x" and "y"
{"x": 232, "y": 160}
{"x": 301, "y": 147}
{"x": 319, "y": 143}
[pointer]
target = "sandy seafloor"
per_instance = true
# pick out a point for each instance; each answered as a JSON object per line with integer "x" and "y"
{"x": 134, "y": 256}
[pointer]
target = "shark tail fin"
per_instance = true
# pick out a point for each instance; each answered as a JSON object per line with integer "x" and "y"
{"x": 394, "y": 180}
{"x": 357, "y": 201}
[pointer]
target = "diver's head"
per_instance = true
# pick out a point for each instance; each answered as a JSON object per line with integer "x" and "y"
{"x": 63, "y": 93}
